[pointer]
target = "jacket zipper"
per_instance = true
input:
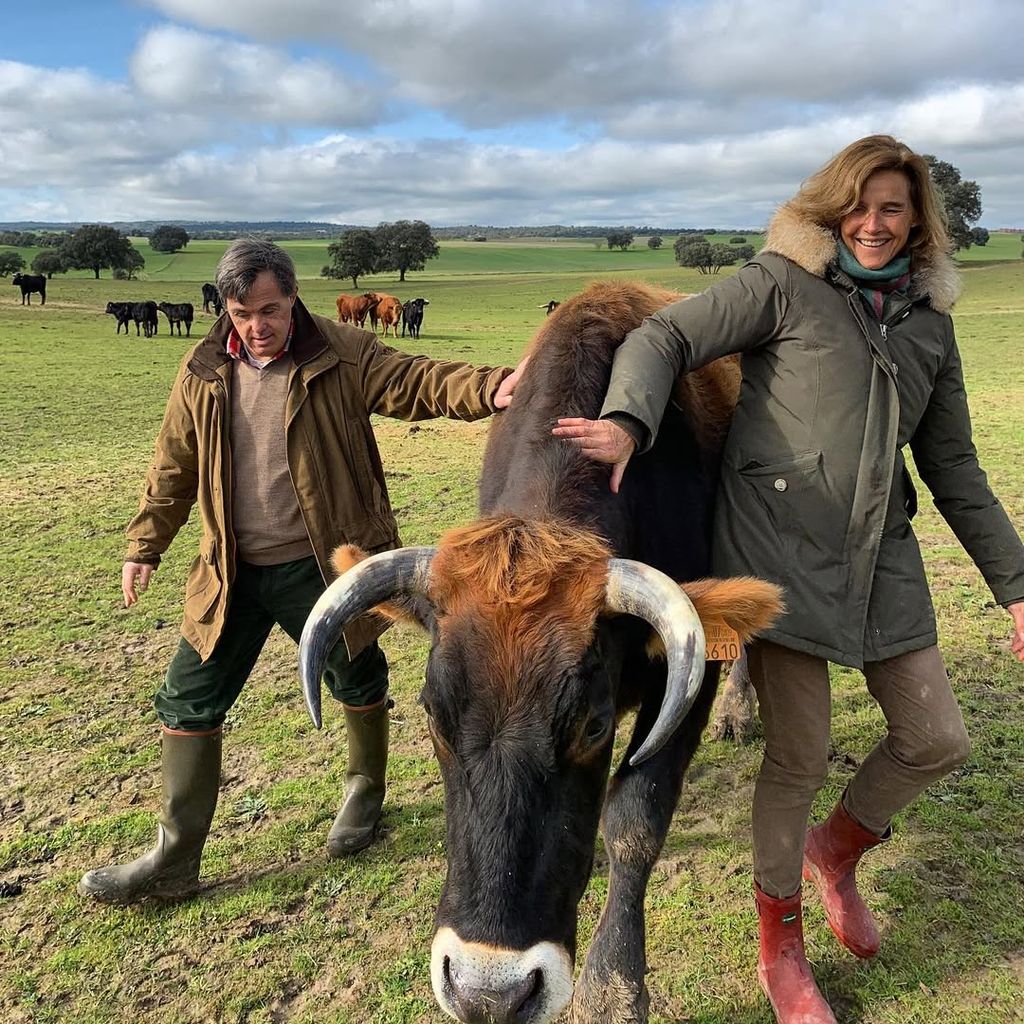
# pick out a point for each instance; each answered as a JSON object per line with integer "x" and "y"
{"x": 883, "y": 328}
{"x": 885, "y": 361}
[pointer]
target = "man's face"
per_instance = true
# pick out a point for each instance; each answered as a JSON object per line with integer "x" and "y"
{"x": 262, "y": 320}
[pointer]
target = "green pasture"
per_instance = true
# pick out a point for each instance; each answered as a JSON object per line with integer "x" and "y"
{"x": 281, "y": 934}
{"x": 458, "y": 258}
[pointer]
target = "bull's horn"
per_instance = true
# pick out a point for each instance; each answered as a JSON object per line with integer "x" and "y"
{"x": 637, "y": 589}
{"x": 368, "y": 583}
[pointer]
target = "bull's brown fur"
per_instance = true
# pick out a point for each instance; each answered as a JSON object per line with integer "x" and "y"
{"x": 533, "y": 585}
{"x": 744, "y": 603}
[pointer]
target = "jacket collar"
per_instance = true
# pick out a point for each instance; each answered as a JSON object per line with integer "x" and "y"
{"x": 934, "y": 276}
{"x": 210, "y": 355}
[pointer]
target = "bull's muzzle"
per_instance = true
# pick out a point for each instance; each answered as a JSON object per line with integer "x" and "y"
{"x": 477, "y": 983}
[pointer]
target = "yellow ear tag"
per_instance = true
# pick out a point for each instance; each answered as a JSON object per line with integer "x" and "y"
{"x": 723, "y": 642}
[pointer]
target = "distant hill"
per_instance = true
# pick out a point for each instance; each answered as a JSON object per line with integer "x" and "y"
{"x": 198, "y": 228}
{"x": 285, "y": 229}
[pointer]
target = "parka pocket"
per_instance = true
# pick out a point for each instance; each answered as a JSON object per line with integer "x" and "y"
{"x": 794, "y": 495}
{"x": 204, "y": 583}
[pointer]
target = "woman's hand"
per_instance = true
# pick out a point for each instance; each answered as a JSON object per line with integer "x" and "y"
{"x": 600, "y": 440}
{"x": 1017, "y": 642}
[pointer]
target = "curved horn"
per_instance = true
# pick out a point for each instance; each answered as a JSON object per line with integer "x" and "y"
{"x": 637, "y": 589}
{"x": 375, "y": 579}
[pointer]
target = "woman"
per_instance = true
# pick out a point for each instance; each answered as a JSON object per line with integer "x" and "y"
{"x": 848, "y": 355}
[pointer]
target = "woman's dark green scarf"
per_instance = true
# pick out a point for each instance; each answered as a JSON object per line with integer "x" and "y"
{"x": 875, "y": 285}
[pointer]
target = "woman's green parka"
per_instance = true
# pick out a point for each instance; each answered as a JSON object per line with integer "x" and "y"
{"x": 814, "y": 494}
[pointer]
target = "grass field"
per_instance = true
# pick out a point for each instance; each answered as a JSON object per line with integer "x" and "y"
{"x": 280, "y": 934}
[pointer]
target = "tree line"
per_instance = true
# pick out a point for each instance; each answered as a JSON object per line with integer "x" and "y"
{"x": 92, "y": 247}
{"x": 406, "y": 245}
{"x": 403, "y": 245}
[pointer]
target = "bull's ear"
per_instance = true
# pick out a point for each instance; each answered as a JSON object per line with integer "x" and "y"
{"x": 743, "y": 603}
{"x": 410, "y": 609}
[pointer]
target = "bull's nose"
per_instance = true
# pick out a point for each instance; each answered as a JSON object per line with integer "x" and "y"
{"x": 479, "y": 983}
{"x": 513, "y": 1005}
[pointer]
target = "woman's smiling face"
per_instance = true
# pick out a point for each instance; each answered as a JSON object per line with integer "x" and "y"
{"x": 878, "y": 229}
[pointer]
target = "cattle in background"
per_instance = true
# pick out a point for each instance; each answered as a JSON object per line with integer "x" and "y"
{"x": 122, "y": 313}
{"x": 550, "y": 306}
{"x": 387, "y": 311}
{"x": 540, "y": 616}
{"x": 412, "y": 316}
{"x": 30, "y": 283}
{"x": 145, "y": 313}
{"x": 356, "y": 308}
{"x": 178, "y": 313}
{"x": 211, "y": 297}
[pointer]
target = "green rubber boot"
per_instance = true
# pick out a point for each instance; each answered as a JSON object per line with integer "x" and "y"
{"x": 190, "y": 772}
{"x": 356, "y": 824}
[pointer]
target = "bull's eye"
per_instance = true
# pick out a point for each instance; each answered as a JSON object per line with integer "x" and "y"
{"x": 596, "y": 729}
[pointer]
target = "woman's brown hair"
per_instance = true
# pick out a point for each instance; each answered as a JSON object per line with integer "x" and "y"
{"x": 834, "y": 191}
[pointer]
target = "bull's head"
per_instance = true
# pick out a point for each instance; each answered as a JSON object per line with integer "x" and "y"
{"x": 521, "y": 697}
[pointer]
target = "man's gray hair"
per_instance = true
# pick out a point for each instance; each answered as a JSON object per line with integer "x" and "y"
{"x": 245, "y": 260}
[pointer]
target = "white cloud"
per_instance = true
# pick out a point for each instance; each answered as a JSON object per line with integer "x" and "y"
{"x": 489, "y": 63}
{"x": 179, "y": 69}
{"x": 70, "y": 127}
{"x": 711, "y": 118}
{"x": 730, "y": 182}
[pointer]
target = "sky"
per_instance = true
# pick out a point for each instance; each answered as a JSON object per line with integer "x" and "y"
{"x": 690, "y": 113}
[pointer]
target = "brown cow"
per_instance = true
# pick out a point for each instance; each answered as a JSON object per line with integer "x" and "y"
{"x": 356, "y": 308}
{"x": 388, "y": 312}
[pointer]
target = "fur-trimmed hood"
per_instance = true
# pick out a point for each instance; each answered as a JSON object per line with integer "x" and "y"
{"x": 813, "y": 247}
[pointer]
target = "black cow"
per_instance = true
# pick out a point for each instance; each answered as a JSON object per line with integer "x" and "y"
{"x": 30, "y": 283}
{"x": 540, "y": 614}
{"x": 412, "y": 315}
{"x": 122, "y": 313}
{"x": 178, "y": 313}
{"x": 550, "y": 306}
{"x": 145, "y": 313}
{"x": 212, "y": 297}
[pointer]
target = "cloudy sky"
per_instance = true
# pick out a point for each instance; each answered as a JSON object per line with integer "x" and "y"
{"x": 670, "y": 112}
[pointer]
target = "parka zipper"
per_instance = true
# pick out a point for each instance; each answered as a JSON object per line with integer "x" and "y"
{"x": 883, "y": 328}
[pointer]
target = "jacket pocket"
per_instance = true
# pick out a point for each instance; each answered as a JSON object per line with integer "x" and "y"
{"x": 204, "y": 583}
{"x": 373, "y": 534}
{"x": 794, "y": 496}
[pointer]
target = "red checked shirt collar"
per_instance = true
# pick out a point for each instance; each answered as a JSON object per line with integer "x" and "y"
{"x": 237, "y": 350}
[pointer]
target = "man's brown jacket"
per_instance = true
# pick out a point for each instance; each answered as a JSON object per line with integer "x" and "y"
{"x": 341, "y": 375}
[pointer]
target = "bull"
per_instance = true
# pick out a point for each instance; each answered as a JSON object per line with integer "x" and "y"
{"x": 356, "y": 308}
{"x": 387, "y": 311}
{"x": 412, "y": 316}
{"x": 122, "y": 313}
{"x": 30, "y": 283}
{"x": 178, "y": 313}
{"x": 540, "y": 616}
{"x": 211, "y": 297}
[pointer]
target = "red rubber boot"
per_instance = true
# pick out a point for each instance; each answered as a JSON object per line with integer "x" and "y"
{"x": 831, "y": 853}
{"x": 782, "y": 966}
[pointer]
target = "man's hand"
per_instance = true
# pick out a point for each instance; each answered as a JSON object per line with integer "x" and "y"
{"x": 1017, "y": 642}
{"x": 134, "y": 580}
{"x": 600, "y": 440}
{"x": 503, "y": 396}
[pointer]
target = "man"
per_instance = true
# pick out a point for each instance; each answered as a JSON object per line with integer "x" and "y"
{"x": 268, "y": 429}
